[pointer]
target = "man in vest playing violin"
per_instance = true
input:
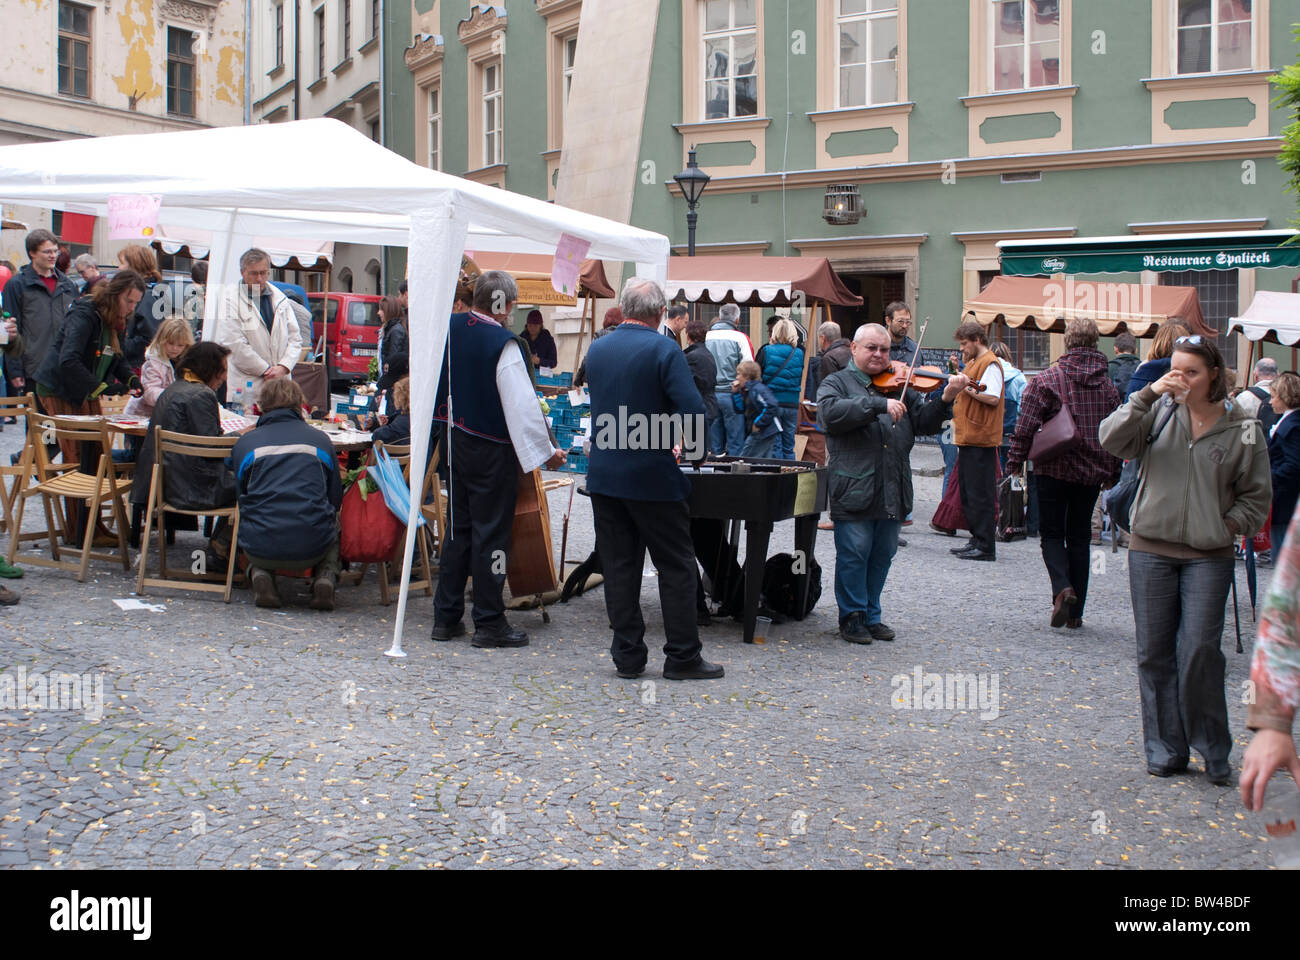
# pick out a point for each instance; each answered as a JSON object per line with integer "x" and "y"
{"x": 977, "y": 429}
{"x": 869, "y": 436}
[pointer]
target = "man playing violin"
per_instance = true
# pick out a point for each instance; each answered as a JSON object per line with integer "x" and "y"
{"x": 977, "y": 428}
{"x": 869, "y": 436}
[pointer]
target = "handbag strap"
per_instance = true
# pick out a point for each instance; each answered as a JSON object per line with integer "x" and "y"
{"x": 788, "y": 357}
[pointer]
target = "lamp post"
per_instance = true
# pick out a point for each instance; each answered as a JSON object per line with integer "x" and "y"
{"x": 692, "y": 182}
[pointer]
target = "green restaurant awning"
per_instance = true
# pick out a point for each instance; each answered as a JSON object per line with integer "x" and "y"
{"x": 1163, "y": 253}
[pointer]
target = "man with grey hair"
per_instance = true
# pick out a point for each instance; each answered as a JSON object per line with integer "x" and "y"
{"x": 256, "y": 322}
{"x": 1255, "y": 399}
{"x": 493, "y": 429}
{"x": 730, "y": 348}
{"x": 88, "y": 270}
{"x": 640, "y": 382}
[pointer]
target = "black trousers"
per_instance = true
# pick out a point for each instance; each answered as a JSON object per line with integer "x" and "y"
{"x": 1065, "y": 530}
{"x": 977, "y": 483}
{"x": 484, "y": 486}
{"x": 624, "y": 530}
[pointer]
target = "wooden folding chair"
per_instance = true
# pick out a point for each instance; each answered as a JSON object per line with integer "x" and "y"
{"x": 15, "y": 407}
{"x": 435, "y": 513}
{"x": 55, "y": 484}
{"x": 185, "y": 445}
{"x": 110, "y": 406}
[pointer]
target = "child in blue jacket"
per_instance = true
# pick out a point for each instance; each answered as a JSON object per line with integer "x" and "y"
{"x": 755, "y": 399}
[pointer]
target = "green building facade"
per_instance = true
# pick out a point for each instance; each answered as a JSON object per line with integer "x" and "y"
{"x": 960, "y": 122}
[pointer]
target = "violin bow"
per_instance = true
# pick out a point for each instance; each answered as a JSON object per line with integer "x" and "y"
{"x": 916, "y": 354}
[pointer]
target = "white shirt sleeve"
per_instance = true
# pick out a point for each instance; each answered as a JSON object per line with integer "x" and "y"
{"x": 528, "y": 432}
{"x": 992, "y": 380}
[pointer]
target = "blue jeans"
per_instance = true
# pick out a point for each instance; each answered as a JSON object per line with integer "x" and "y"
{"x": 762, "y": 448}
{"x": 727, "y": 435}
{"x": 864, "y": 550}
{"x": 789, "y": 424}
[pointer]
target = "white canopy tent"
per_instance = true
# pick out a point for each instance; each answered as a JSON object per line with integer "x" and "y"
{"x": 1271, "y": 316}
{"x": 320, "y": 179}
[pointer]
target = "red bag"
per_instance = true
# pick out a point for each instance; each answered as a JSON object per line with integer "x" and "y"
{"x": 368, "y": 531}
{"x": 1264, "y": 539}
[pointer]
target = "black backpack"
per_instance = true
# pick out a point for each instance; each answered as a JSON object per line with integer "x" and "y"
{"x": 1265, "y": 414}
{"x": 780, "y": 582}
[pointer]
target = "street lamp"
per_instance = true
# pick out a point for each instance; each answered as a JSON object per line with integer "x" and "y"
{"x": 692, "y": 181}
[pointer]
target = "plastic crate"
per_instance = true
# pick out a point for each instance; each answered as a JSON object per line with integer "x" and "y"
{"x": 555, "y": 380}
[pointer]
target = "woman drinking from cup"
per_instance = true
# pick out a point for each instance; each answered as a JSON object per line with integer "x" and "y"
{"x": 1205, "y": 482}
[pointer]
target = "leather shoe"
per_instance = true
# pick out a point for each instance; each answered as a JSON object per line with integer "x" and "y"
{"x": 854, "y": 629}
{"x": 7, "y": 597}
{"x": 969, "y": 545}
{"x": 1061, "y": 606}
{"x": 1074, "y": 623}
{"x": 880, "y": 631}
{"x": 1219, "y": 774}
{"x": 442, "y": 632}
{"x": 703, "y": 670}
{"x": 629, "y": 674}
{"x": 505, "y": 638}
{"x": 322, "y": 593}
{"x": 265, "y": 593}
{"x": 1166, "y": 770}
{"x": 946, "y": 531}
{"x": 902, "y": 542}
{"x": 973, "y": 554}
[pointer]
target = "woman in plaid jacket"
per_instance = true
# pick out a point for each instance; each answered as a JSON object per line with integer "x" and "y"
{"x": 1068, "y": 485}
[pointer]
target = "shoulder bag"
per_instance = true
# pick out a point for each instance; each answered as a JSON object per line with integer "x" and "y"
{"x": 1119, "y": 498}
{"x": 1059, "y": 435}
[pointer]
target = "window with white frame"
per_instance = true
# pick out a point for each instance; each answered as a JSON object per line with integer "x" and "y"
{"x": 319, "y": 18}
{"x": 1213, "y": 36}
{"x": 1026, "y": 44}
{"x": 492, "y": 125}
{"x": 570, "y": 48}
{"x": 345, "y": 29}
{"x": 435, "y": 128}
{"x": 868, "y": 52}
{"x": 278, "y": 57}
{"x": 730, "y": 51}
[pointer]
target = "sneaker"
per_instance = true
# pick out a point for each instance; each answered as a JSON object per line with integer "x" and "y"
{"x": 7, "y": 597}
{"x": 265, "y": 593}
{"x": 9, "y": 571}
{"x": 854, "y": 629}
{"x": 322, "y": 593}
{"x": 880, "y": 631}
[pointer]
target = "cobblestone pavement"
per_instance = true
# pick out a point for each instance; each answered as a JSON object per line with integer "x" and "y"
{"x": 238, "y": 737}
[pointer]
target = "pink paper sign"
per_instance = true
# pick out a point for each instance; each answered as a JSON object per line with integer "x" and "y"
{"x": 569, "y": 254}
{"x": 133, "y": 216}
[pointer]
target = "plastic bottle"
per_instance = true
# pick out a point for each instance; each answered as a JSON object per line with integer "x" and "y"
{"x": 235, "y": 400}
{"x": 4, "y": 331}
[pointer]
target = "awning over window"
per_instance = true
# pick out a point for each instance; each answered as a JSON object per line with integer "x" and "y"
{"x": 757, "y": 281}
{"x": 1045, "y": 304}
{"x": 1163, "y": 253}
{"x": 1271, "y": 316}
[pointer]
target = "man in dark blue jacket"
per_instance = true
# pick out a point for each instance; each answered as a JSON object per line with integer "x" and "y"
{"x": 643, "y": 403}
{"x": 289, "y": 497}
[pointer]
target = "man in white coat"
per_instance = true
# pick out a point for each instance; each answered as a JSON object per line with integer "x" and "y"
{"x": 259, "y": 326}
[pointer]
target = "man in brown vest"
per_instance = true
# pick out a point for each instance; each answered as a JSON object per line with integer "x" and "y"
{"x": 977, "y": 428}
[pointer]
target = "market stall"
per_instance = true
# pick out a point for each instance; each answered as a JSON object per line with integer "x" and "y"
{"x": 319, "y": 178}
{"x": 1272, "y": 317}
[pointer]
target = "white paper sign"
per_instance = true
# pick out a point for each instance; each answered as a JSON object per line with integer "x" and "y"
{"x": 569, "y": 254}
{"x": 133, "y": 216}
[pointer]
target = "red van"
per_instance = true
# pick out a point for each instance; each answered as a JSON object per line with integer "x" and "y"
{"x": 350, "y": 324}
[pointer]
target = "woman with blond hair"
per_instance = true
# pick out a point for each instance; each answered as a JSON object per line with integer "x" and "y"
{"x": 173, "y": 338}
{"x": 1158, "y": 360}
{"x": 142, "y": 327}
{"x": 781, "y": 360}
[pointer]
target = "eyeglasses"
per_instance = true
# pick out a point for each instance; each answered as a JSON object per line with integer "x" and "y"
{"x": 1195, "y": 340}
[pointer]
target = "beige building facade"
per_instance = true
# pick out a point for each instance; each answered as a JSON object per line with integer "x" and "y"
{"x": 95, "y": 68}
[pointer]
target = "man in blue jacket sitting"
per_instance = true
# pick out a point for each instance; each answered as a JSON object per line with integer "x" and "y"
{"x": 643, "y": 404}
{"x": 289, "y": 497}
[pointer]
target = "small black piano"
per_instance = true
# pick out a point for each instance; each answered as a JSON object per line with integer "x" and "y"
{"x": 761, "y": 493}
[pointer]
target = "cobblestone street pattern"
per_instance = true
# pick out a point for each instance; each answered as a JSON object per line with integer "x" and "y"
{"x": 238, "y": 737}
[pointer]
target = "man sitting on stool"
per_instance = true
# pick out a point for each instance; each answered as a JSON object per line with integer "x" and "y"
{"x": 289, "y": 497}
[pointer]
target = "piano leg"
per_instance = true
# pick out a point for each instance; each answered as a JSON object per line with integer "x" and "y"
{"x": 757, "y": 536}
{"x": 805, "y": 538}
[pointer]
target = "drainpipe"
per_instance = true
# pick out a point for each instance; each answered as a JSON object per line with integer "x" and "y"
{"x": 248, "y": 63}
{"x": 297, "y": 52}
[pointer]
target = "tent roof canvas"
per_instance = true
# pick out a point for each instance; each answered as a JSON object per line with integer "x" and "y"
{"x": 1047, "y": 304}
{"x": 757, "y": 281}
{"x": 1271, "y": 316}
{"x": 592, "y": 281}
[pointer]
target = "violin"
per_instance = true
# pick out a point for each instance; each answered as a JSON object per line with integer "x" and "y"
{"x": 900, "y": 375}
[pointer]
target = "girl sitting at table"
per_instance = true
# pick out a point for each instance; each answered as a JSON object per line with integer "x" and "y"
{"x": 189, "y": 405}
{"x": 173, "y": 338}
{"x": 398, "y": 429}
